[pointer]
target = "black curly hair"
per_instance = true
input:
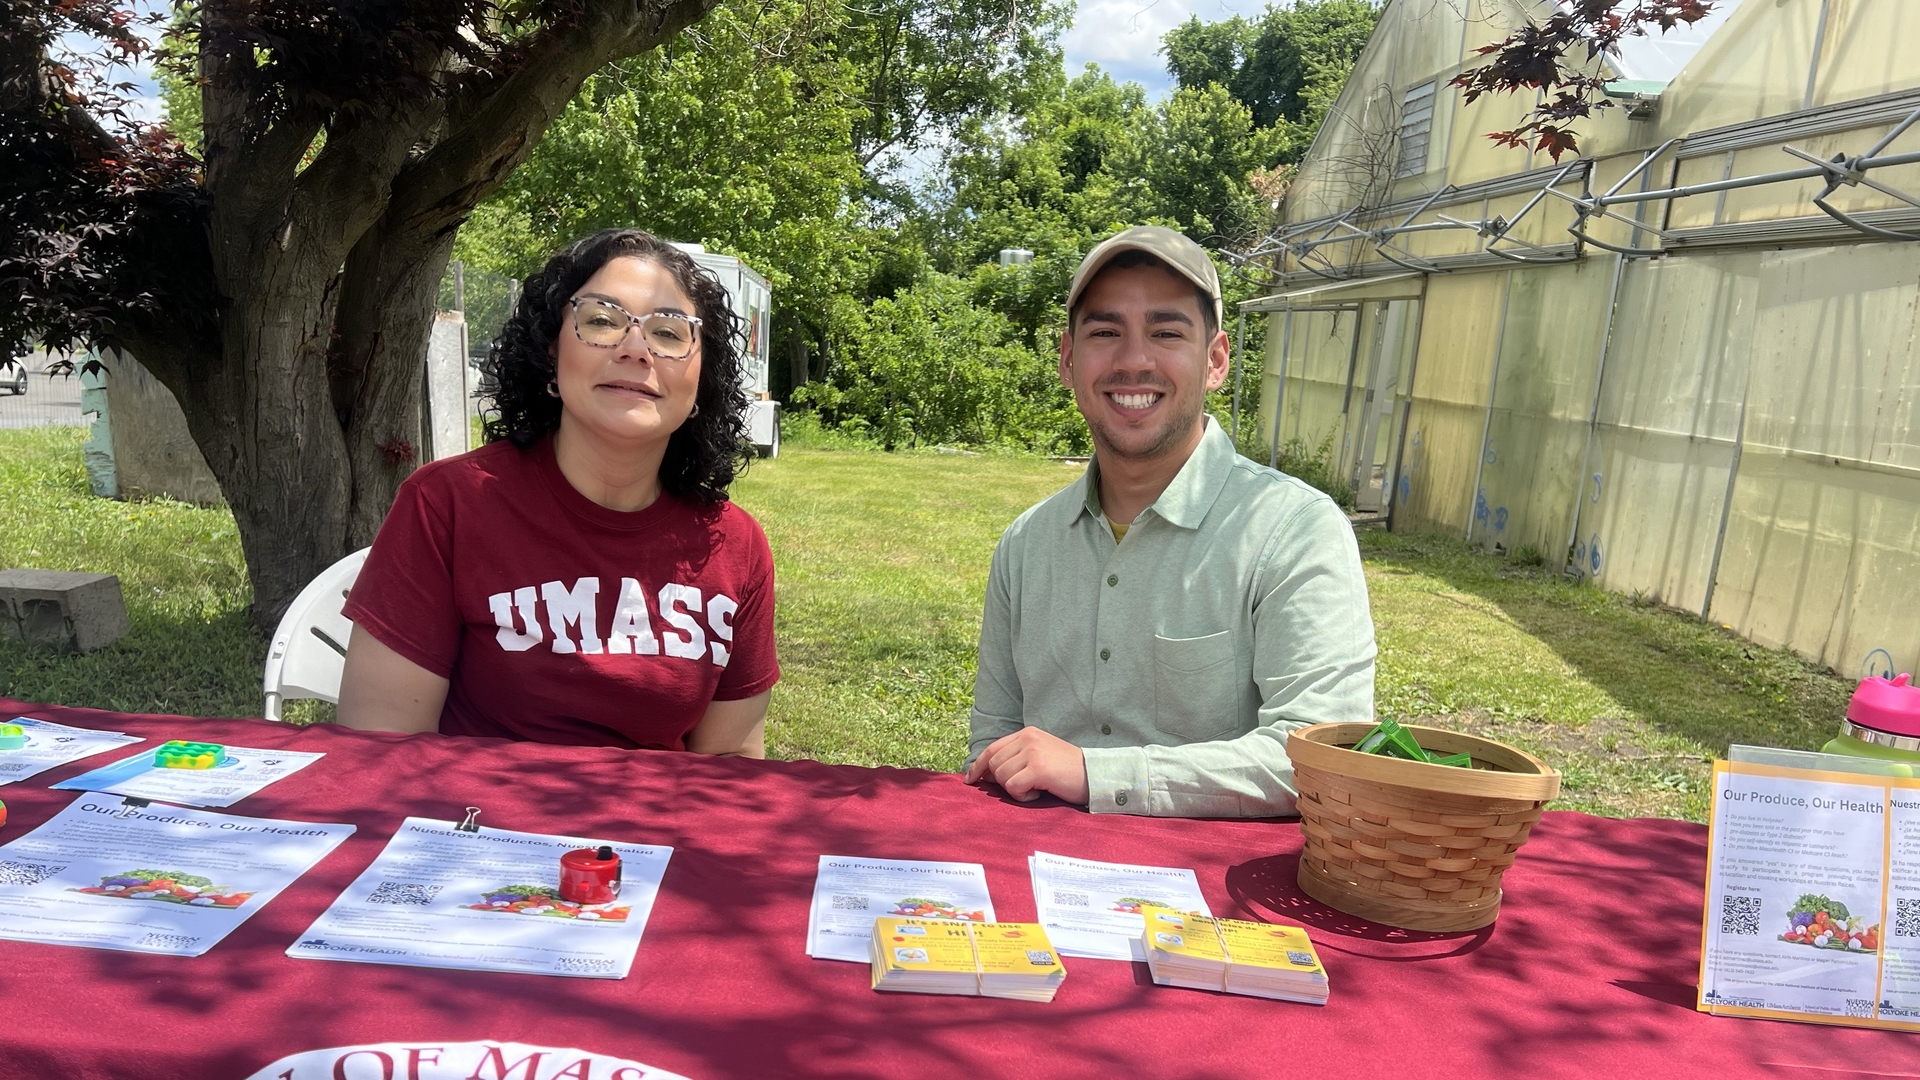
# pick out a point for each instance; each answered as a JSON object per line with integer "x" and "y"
{"x": 705, "y": 453}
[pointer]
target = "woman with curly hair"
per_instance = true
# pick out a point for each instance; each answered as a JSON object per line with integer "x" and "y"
{"x": 582, "y": 578}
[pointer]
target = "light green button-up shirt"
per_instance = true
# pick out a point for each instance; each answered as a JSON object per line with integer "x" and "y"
{"x": 1178, "y": 659}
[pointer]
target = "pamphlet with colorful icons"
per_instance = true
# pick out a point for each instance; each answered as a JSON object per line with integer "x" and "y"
{"x": 29, "y": 747}
{"x": 1232, "y": 955}
{"x": 1003, "y": 960}
{"x": 235, "y": 773}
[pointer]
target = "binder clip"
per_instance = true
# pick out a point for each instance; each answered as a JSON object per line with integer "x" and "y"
{"x": 471, "y": 822}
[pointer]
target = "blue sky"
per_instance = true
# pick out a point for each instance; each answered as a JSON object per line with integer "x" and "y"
{"x": 1123, "y": 36}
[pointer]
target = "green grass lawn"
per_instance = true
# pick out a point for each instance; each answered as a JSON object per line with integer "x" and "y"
{"x": 882, "y": 559}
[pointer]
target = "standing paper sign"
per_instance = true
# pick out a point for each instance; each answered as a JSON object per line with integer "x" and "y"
{"x": 1813, "y": 891}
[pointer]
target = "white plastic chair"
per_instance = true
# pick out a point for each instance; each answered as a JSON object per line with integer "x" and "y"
{"x": 310, "y": 646}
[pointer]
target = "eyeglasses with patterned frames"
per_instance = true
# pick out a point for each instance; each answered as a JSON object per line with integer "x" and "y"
{"x": 604, "y": 324}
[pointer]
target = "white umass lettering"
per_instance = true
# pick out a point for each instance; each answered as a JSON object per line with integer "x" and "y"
{"x": 691, "y": 642}
{"x": 632, "y": 630}
{"x": 720, "y": 611}
{"x": 572, "y": 614}
{"x": 573, "y": 607}
{"x": 511, "y": 638}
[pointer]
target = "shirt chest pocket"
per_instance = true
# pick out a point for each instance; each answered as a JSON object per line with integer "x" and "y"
{"x": 1193, "y": 685}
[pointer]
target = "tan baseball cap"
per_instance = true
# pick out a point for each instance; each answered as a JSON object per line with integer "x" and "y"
{"x": 1187, "y": 259}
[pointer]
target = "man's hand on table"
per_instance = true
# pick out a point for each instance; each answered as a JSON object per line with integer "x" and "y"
{"x": 1030, "y": 761}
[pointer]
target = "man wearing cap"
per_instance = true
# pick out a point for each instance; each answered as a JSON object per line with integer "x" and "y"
{"x": 1153, "y": 631}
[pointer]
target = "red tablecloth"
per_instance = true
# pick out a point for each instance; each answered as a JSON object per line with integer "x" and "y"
{"x": 1589, "y": 972}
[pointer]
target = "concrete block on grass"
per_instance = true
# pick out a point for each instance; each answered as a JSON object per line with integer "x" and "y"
{"x": 62, "y": 610}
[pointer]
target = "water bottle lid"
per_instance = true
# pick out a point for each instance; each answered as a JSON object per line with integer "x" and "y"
{"x": 1890, "y": 705}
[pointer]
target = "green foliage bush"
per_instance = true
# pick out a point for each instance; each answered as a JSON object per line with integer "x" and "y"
{"x": 928, "y": 367}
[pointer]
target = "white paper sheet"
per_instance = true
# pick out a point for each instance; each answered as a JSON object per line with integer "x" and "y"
{"x": 438, "y": 897}
{"x": 158, "y": 879}
{"x": 242, "y": 772}
{"x": 1092, "y": 909}
{"x": 849, "y": 893}
{"x": 50, "y": 744}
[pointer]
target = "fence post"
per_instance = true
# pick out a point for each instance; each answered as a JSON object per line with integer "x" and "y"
{"x": 1280, "y": 388}
{"x": 1493, "y": 389}
{"x": 1593, "y": 413}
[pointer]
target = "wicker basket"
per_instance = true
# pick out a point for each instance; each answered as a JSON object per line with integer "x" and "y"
{"x": 1408, "y": 844}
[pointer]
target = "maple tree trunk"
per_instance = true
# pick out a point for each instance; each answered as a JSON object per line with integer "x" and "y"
{"x": 262, "y": 415}
{"x": 387, "y": 303}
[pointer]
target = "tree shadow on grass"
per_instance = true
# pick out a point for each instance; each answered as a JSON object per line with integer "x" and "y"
{"x": 1684, "y": 677}
{"x": 208, "y": 665}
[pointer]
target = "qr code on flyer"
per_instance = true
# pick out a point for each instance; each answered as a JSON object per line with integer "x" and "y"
{"x": 849, "y": 903}
{"x": 1906, "y": 917}
{"x": 26, "y": 873}
{"x": 1070, "y": 899}
{"x": 403, "y": 893}
{"x": 1740, "y": 915}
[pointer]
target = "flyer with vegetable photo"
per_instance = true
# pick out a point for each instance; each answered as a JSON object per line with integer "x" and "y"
{"x": 850, "y": 893}
{"x": 487, "y": 900}
{"x": 1092, "y": 909}
{"x": 156, "y": 879}
{"x": 1813, "y": 897}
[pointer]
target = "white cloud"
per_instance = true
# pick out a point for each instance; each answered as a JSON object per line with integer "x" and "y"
{"x": 1123, "y": 36}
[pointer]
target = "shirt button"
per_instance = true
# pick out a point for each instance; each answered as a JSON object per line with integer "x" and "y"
{"x": 1106, "y": 729}
{"x": 1113, "y": 579}
{"x": 1120, "y": 799}
{"x": 1104, "y": 654}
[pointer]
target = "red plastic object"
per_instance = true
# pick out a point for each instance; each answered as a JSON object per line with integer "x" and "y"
{"x": 1889, "y": 705}
{"x": 3, "y": 815}
{"x": 588, "y": 876}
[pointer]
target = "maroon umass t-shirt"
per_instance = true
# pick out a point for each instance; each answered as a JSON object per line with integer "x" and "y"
{"x": 561, "y": 621}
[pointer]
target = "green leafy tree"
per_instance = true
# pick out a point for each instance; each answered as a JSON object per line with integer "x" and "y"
{"x": 737, "y": 136}
{"x": 924, "y": 69}
{"x": 928, "y": 366}
{"x": 1279, "y": 65}
{"x": 278, "y": 273}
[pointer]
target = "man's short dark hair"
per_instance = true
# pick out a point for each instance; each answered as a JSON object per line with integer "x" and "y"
{"x": 1127, "y": 260}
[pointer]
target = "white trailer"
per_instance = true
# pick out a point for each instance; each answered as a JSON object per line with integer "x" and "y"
{"x": 752, "y": 301}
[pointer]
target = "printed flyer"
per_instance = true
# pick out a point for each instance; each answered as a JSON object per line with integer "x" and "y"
{"x": 240, "y": 773}
{"x": 849, "y": 894}
{"x": 1813, "y": 896}
{"x": 486, "y": 901}
{"x": 48, "y": 744}
{"x": 156, "y": 879}
{"x": 1092, "y": 909}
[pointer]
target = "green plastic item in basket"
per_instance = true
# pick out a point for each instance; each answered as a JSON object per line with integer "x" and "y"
{"x": 1389, "y": 739}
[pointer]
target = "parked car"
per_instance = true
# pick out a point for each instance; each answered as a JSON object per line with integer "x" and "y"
{"x": 17, "y": 383}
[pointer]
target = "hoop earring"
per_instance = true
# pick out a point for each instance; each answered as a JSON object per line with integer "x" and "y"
{"x": 553, "y": 388}
{"x": 695, "y": 412}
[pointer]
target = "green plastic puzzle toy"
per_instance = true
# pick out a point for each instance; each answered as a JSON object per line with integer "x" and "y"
{"x": 12, "y": 736}
{"x": 1389, "y": 739}
{"x": 188, "y": 755}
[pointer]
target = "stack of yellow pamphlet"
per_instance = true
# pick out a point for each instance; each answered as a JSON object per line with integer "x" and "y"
{"x": 928, "y": 956}
{"x": 1234, "y": 956}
